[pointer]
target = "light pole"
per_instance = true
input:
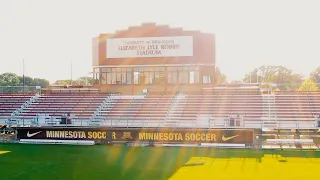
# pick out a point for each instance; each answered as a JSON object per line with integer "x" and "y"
{"x": 88, "y": 78}
{"x": 23, "y": 78}
{"x": 71, "y": 74}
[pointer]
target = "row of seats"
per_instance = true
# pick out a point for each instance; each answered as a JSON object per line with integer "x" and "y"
{"x": 185, "y": 107}
{"x": 276, "y": 141}
{"x": 167, "y": 106}
{"x": 81, "y": 106}
{"x": 219, "y": 106}
{"x": 152, "y": 107}
{"x": 10, "y": 102}
{"x": 297, "y": 106}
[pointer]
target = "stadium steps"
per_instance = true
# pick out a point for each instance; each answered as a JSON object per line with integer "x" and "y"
{"x": 170, "y": 120}
{"x": 269, "y": 111}
{"x": 105, "y": 104}
{"x": 23, "y": 107}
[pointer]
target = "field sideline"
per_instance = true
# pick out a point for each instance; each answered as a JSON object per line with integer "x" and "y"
{"x": 48, "y": 162}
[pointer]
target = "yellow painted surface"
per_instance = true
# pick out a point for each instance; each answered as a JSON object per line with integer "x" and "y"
{"x": 269, "y": 168}
{"x": 3, "y": 152}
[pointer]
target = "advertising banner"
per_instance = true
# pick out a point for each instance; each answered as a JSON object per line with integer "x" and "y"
{"x": 184, "y": 136}
{"x": 170, "y": 46}
{"x": 141, "y": 135}
{"x": 63, "y": 134}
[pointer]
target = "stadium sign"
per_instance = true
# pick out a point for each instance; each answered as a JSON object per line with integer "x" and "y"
{"x": 184, "y": 136}
{"x": 171, "y": 46}
{"x": 63, "y": 134}
{"x": 140, "y": 135}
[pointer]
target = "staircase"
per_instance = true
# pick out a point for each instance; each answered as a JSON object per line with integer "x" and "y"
{"x": 95, "y": 119}
{"x": 24, "y": 106}
{"x": 174, "y": 114}
{"x": 269, "y": 111}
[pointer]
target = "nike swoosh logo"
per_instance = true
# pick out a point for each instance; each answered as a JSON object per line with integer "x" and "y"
{"x": 32, "y": 134}
{"x": 228, "y": 138}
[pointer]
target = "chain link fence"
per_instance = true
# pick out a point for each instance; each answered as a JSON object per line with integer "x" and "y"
{"x": 20, "y": 89}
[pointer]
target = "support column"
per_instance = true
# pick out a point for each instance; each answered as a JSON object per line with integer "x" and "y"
{"x": 132, "y": 81}
{"x": 166, "y": 79}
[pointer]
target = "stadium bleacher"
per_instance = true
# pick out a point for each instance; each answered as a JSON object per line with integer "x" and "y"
{"x": 289, "y": 141}
{"x": 150, "y": 107}
{"x": 298, "y": 106}
{"x": 293, "y": 106}
{"x": 80, "y": 106}
{"x": 219, "y": 107}
{"x": 9, "y": 102}
{"x": 222, "y": 106}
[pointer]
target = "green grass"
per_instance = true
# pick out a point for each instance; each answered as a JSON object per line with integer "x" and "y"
{"x": 48, "y": 162}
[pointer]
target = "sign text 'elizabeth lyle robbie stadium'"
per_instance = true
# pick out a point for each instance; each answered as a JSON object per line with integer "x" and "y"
{"x": 171, "y": 46}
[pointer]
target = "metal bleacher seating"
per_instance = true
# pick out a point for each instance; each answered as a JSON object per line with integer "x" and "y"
{"x": 185, "y": 110}
{"x": 150, "y": 107}
{"x": 79, "y": 105}
{"x": 293, "y": 106}
{"x": 215, "y": 108}
{"x": 223, "y": 106}
{"x": 9, "y": 102}
{"x": 293, "y": 141}
{"x": 301, "y": 107}
{"x": 220, "y": 107}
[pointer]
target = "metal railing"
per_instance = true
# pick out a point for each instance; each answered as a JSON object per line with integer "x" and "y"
{"x": 20, "y": 89}
{"x": 71, "y": 90}
{"x": 282, "y": 123}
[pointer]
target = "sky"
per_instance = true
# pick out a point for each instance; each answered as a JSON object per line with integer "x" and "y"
{"x": 49, "y": 35}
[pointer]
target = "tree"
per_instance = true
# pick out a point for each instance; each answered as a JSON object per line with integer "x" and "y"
{"x": 219, "y": 78}
{"x": 28, "y": 81}
{"x": 33, "y": 82}
{"x": 236, "y": 82}
{"x": 315, "y": 76}
{"x": 9, "y": 79}
{"x": 41, "y": 82}
{"x": 308, "y": 85}
{"x": 84, "y": 81}
{"x": 282, "y": 76}
{"x": 62, "y": 82}
{"x": 80, "y": 81}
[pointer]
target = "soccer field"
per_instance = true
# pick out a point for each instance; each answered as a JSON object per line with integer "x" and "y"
{"x": 22, "y": 161}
